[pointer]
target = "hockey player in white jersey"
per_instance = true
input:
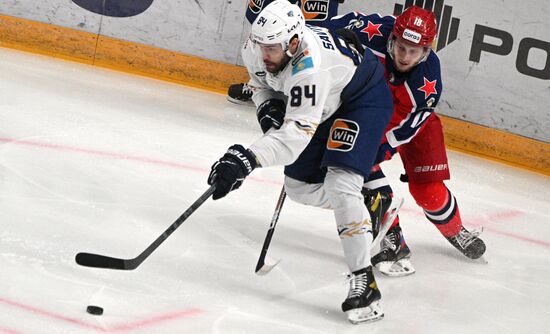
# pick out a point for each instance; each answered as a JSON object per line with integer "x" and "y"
{"x": 323, "y": 108}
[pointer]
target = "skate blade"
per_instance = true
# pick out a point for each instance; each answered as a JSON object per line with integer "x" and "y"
{"x": 371, "y": 313}
{"x": 480, "y": 260}
{"x": 266, "y": 268}
{"x": 398, "y": 268}
{"x": 247, "y": 103}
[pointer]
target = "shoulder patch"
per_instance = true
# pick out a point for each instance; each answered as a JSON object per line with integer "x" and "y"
{"x": 299, "y": 57}
{"x": 303, "y": 64}
{"x": 428, "y": 88}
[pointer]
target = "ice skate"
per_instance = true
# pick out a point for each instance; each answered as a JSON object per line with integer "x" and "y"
{"x": 394, "y": 257}
{"x": 363, "y": 301}
{"x": 240, "y": 94}
{"x": 468, "y": 243}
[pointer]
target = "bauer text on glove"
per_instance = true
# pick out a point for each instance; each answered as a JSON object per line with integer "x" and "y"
{"x": 229, "y": 171}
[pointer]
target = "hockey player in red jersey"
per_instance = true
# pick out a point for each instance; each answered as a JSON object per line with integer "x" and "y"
{"x": 412, "y": 69}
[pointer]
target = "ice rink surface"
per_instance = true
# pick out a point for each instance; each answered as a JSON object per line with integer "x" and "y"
{"x": 98, "y": 161}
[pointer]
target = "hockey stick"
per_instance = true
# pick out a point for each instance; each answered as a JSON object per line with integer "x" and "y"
{"x": 385, "y": 226}
{"x": 261, "y": 267}
{"x": 101, "y": 261}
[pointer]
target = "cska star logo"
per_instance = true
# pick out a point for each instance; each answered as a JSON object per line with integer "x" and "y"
{"x": 428, "y": 88}
{"x": 372, "y": 30}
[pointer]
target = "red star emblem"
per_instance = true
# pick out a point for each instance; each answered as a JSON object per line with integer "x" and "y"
{"x": 372, "y": 30}
{"x": 428, "y": 88}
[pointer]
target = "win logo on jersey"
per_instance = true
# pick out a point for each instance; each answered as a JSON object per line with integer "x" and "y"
{"x": 343, "y": 135}
{"x": 315, "y": 10}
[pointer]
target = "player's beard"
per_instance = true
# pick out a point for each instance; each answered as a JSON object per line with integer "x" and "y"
{"x": 275, "y": 68}
{"x": 402, "y": 67}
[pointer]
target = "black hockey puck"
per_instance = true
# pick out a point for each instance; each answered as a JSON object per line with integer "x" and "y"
{"x": 95, "y": 310}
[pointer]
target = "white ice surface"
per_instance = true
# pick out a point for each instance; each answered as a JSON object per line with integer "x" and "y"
{"x": 99, "y": 161}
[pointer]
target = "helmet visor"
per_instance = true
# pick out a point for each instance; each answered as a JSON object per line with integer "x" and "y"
{"x": 269, "y": 50}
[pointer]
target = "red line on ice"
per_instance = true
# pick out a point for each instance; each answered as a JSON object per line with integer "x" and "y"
{"x": 154, "y": 320}
{"x": 48, "y": 314}
{"x": 487, "y": 220}
{"x": 119, "y": 156}
{"x": 504, "y": 215}
{"x": 517, "y": 236}
{"x": 145, "y": 322}
{"x": 9, "y": 331}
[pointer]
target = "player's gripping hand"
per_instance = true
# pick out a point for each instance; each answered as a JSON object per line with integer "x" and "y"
{"x": 271, "y": 114}
{"x": 229, "y": 172}
{"x": 385, "y": 152}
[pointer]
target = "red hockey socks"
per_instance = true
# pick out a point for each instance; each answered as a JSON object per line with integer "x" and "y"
{"x": 439, "y": 206}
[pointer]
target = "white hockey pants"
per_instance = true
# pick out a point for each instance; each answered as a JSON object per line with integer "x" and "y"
{"x": 341, "y": 192}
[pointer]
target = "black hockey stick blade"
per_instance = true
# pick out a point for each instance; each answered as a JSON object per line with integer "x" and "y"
{"x": 261, "y": 267}
{"x": 107, "y": 262}
{"x": 101, "y": 261}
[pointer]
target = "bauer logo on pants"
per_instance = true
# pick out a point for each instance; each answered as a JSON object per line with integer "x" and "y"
{"x": 343, "y": 134}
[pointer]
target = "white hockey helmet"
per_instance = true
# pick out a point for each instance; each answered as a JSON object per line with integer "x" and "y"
{"x": 278, "y": 23}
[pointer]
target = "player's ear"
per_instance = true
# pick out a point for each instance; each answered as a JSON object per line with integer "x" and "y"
{"x": 293, "y": 45}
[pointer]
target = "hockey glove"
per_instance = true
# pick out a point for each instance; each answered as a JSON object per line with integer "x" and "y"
{"x": 271, "y": 114}
{"x": 385, "y": 152}
{"x": 229, "y": 172}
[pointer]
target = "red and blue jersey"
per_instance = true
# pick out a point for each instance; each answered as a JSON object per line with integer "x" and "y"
{"x": 415, "y": 94}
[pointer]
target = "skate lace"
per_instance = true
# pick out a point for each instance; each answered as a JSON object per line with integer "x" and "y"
{"x": 246, "y": 89}
{"x": 464, "y": 238}
{"x": 390, "y": 242}
{"x": 358, "y": 284}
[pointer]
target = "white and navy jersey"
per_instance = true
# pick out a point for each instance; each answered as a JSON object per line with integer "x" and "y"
{"x": 415, "y": 94}
{"x": 311, "y": 83}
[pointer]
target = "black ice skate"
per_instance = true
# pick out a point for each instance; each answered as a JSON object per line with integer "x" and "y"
{"x": 468, "y": 243}
{"x": 240, "y": 94}
{"x": 363, "y": 301}
{"x": 394, "y": 257}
